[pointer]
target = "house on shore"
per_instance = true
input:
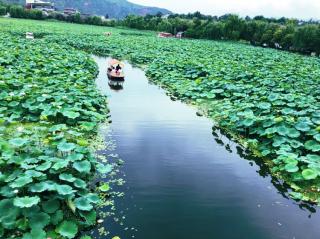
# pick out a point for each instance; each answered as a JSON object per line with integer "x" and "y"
{"x": 180, "y": 35}
{"x": 40, "y": 5}
{"x": 164, "y": 35}
{"x": 70, "y": 11}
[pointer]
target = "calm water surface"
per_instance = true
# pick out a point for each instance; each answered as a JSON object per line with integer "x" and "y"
{"x": 182, "y": 183}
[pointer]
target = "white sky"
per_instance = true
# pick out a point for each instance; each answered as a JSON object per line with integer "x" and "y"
{"x": 303, "y": 9}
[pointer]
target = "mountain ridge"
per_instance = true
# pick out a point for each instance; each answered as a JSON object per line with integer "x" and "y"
{"x": 113, "y": 8}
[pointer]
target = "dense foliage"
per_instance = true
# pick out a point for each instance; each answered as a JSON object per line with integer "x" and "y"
{"x": 276, "y": 33}
{"x": 268, "y": 100}
{"x": 284, "y": 34}
{"x": 49, "y": 112}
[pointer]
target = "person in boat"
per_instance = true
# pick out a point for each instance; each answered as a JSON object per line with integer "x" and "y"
{"x": 118, "y": 68}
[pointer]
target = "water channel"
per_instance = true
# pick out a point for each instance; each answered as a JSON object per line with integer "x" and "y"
{"x": 185, "y": 182}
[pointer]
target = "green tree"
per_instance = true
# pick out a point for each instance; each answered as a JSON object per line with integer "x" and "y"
{"x": 233, "y": 27}
{"x": 17, "y": 12}
{"x": 3, "y": 10}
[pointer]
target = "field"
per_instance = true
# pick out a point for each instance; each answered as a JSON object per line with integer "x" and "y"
{"x": 267, "y": 100}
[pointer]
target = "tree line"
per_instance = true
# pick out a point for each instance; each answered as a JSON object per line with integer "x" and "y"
{"x": 282, "y": 33}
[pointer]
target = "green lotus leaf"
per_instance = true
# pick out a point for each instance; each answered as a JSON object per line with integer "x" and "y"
{"x": 38, "y": 233}
{"x": 264, "y": 105}
{"x": 296, "y": 144}
{"x": 317, "y": 137}
{"x": 273, "y": 97}
{"x": 26, "y": 202}
{"x": 67, "y": 177}
{"x": 83, "y": 204}
{"x": 293, "y": 133}
{"x": 43, "y": 186}
{"x": 13, "y": 176}
{"x": 82, "y": 166}
{"x": 7, "y": 192}
{"x": 291, "y": 168}
{"x": 302, "y": 126}
{"x": 291, "y": 161}
{"x": 21, "y": 182}
{"x": 88, "y": 126}
{"x": 90, "y": 217}
{"x": 39, "y": 220}
{"x": 8, "y": 214}
{"x": 75, "y": 157}
{"x": 66, "y": 147}
{"x": 313, "y": 157}
{"x": 282, "y": 130}
{"x": 57, "y": 217}
{"x": 18, "y": 142}
{"x": 51, "y": 206}
{"x": 93, "y": 198}
{"x": 64, "y": 189}
{"x": 270, "y": 131}
{"x": 297, "y": 177}
{"x": 34, "y": 174}
{"x": 44, "y": 166}
{"x": 60, "y": 165}
{"x": 278, "y": 141}
{"x": 68, "y": 229}
{"x": 104, "y": 187}
{"x": 104, "y": 169}
{"x": 248, "y": 122}
{"x": 287, "y": 111}
{"x": 71, "y": 114}
{"x": 58, "y": 127}
{"x": 80, "y": 183}
{"x": 309, "y": 174}
{"x": 312, "y": 145}
{"x": 89, "y": 237}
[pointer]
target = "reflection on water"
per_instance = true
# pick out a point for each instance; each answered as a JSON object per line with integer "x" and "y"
{"x": 263, "y": 169}
{"x": 187, "y": 181}
{"x": 116, "y": 85}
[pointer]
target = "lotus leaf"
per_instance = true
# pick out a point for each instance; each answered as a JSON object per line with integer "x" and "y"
{"x": 26, "y": 202}
{"x": 67, "y": 229}
{"x": 302, "y": 126}
{"x": 312, "y": 145}
{"x": 18, "y": 142}
{"x": 104, "y": 187}
{"x": 83, "y": 204}
{"x": 66, "y": 147}
{"x": 67, "y": 177}
{"x": 82, "y": 166}
{"x": 309, "y": 174}
{"x": 51, "y": 206}
{"x": 39, "y": 220}
{"x": 21, "y": 182}
{"x": 64, "y": 190}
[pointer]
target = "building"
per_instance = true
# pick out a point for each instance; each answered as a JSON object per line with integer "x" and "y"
{"x": 70, "y": 11}
{"x": 180, "y": 35}
{"x": 164, "y": 35}
{"x": 41, "y": 5}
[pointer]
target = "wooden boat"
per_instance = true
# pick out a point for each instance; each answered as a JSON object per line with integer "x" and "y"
{"x": 115, "y": 70}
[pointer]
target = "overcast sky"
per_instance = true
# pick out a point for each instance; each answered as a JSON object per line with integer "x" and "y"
{"x": 303, "y": 9}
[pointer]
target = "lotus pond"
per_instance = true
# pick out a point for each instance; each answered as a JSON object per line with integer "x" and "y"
{"x": 264, "y": 99}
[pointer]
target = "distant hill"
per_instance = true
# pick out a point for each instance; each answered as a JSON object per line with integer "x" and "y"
{"x": 114, "y": 8}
